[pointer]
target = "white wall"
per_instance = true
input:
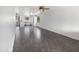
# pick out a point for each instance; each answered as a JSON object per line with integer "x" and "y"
{"x": 62, "y": 19}
{"x": 7, "y": 28}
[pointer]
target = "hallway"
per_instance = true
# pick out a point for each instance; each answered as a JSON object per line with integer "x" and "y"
{"x": 36, "y": 39}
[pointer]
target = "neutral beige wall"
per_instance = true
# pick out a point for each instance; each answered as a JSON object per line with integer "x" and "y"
{"x": 62, "y": 19}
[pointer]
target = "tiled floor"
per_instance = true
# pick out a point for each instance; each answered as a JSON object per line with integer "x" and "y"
{"x": 35, "y": 39}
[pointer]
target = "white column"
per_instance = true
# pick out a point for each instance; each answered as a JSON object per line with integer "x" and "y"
{"x": 35, "y": 20}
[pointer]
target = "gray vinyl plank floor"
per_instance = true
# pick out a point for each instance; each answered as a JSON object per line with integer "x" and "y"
{"x": 36, "y": 39}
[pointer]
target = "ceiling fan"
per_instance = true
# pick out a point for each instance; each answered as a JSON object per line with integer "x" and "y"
{"x": 43, "y": 8}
